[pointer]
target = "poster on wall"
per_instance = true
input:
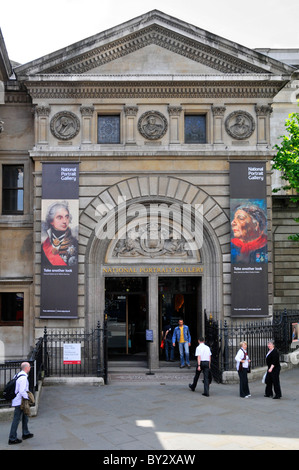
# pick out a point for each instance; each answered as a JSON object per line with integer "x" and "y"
{"x": 59, "y": 240}
{"x": 249, "y": 239}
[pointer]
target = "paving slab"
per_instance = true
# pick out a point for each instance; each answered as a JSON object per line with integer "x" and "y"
{"x": 160, "y": 413}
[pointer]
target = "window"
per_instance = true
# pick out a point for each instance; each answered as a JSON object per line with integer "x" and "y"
{"x": 11, "y": 308}
{"x": 108, "y": 129}
{"x": 12, "y": 189}
{"x": 195, "y": 129}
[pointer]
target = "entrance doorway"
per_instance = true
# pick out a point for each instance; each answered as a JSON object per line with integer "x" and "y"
{"x": 126, "y": 308}
{"x": 180, "y": 297}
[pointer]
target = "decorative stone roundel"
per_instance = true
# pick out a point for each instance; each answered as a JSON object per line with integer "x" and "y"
{"x": 65, "y": 125}
{"x": 152, "y": 125}
{"x": 239, "y": 125}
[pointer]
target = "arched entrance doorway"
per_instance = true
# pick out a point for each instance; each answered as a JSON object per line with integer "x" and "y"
{"x": 155, "y": 258}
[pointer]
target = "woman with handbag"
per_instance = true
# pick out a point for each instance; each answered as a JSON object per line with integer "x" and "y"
{"x": 243, "y": 364}
{"x": 272, "y": 377}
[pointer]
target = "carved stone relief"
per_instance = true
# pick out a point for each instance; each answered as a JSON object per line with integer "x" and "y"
{"x": 239, "y": 125}
{"x": 152, "y": 240}
{"x": 152, "y": 125}
{"x": 65, "y": 125}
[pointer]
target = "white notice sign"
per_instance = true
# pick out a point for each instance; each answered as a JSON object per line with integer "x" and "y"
{"x": 72, "y": 353}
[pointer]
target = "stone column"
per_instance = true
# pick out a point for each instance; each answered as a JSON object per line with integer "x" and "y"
{"x": 42, "y": 124}
{"x": 263, "y": 124}
{"x": 218, "y": 114}
{"x": 174, "y": 124}
{"x": 87, "y": 114}
{"x": 130, "y": 126}
{"x": 153, "y": 322}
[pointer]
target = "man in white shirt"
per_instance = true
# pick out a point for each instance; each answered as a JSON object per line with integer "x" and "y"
{"x": 22, "y": 386}
{"x": 204, "y": 355}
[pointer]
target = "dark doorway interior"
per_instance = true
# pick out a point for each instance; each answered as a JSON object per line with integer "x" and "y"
{"x": 180, "y": 297}
{"x": 126, "y": 308}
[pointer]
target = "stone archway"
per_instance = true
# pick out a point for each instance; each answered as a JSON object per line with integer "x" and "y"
{"x": 146, "y": 189}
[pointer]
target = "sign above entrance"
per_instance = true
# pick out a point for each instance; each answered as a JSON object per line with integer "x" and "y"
{"x": 147, "y": 270}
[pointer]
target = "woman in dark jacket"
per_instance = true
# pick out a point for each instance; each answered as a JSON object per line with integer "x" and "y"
{"x": 272, "y": 378}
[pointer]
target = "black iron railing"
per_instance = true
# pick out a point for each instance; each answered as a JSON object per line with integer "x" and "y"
{"x": 10, "y": 368}
{"x": 224, "y": 339}
{"x": 93, "y": 352}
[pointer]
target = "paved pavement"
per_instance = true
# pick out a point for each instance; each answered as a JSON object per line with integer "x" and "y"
{"x": 159, "y": 413}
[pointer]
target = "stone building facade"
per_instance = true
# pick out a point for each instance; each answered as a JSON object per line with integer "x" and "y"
{"x": 153, "y": 111}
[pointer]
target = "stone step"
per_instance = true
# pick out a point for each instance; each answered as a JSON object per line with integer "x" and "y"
{"x": 135, "y": 372}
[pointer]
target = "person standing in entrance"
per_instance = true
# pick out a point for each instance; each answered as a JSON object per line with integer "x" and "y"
{"x": 204, "y": 355}
{"x": 168, "y": 346}
{"x": 182, "y": 336}
{"x": 22, "y": 386}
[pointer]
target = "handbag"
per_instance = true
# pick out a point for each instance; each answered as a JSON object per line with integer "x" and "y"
{"x": 162, "y": 344}
{"x": 264, "y": 378}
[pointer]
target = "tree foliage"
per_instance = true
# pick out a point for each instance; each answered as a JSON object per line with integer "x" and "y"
{"x": 287, "y": 160}
{"x": 287, "y": 157}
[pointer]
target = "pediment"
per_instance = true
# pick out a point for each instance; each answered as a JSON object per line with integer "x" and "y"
{"x": 154, "y": 43}
{"x": 152, "y": 60}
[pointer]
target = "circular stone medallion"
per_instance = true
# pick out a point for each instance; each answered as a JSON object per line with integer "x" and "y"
{"x": 65, "y": 125}
{"x": 152, "y": 125}
{"x": 239, "y": 125}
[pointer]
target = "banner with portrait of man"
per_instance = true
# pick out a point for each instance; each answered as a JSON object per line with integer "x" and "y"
{"x": 249, "y": 239}
{"x": 59, "y": 240}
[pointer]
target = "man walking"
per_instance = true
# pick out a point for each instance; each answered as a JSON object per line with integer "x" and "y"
{"x": 182, "y": 336}
{"x": 204, "y": 355}
{"x": 22, "y": 387}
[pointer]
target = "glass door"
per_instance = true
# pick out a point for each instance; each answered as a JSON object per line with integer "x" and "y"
{"x": 126, "y": 309}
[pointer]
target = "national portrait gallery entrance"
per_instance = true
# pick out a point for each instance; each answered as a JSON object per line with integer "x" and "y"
{"x": 136, "y": 304}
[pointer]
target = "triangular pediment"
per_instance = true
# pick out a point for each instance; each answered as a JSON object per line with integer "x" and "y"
{"x": 151, "y": 60}
{"x": 154, "y": 43}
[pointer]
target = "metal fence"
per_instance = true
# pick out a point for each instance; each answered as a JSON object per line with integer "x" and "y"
{"x": 92, "y": 347}
{"x": 10, "y": 368}
{"x": 48, "y": 357}
{"x": 224, "y": 340}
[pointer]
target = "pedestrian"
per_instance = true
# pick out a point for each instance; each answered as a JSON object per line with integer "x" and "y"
{"x": 182, "y": 336}
{"x": 243, "y": 363}
{"x": 168, "y": 346}
{"x": 272, "y": 377}
{"x": 203, "y": 354}
{"x": 22, "y": 387}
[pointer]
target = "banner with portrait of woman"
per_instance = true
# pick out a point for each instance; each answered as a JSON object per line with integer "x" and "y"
{"x": 59, "y": 240}
{"x": 249, "y": 239}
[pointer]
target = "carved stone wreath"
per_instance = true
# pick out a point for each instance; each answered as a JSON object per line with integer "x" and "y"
{"x": 152, "y": 125}
{"x": 65, "y": 125}
{"x": 239, "y": 125}
{"x": 152, "y": 241}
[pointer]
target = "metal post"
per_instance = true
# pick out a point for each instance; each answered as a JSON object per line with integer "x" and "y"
{"x": 99, "y": 349}
{"x": 105, "y": 333}
{"x": 46, "y": 365}
{"x": 226, "y": 360}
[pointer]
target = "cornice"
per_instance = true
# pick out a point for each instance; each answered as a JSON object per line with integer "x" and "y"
{"x": 80, "y": 155}
{"x": 154, "y": 89}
